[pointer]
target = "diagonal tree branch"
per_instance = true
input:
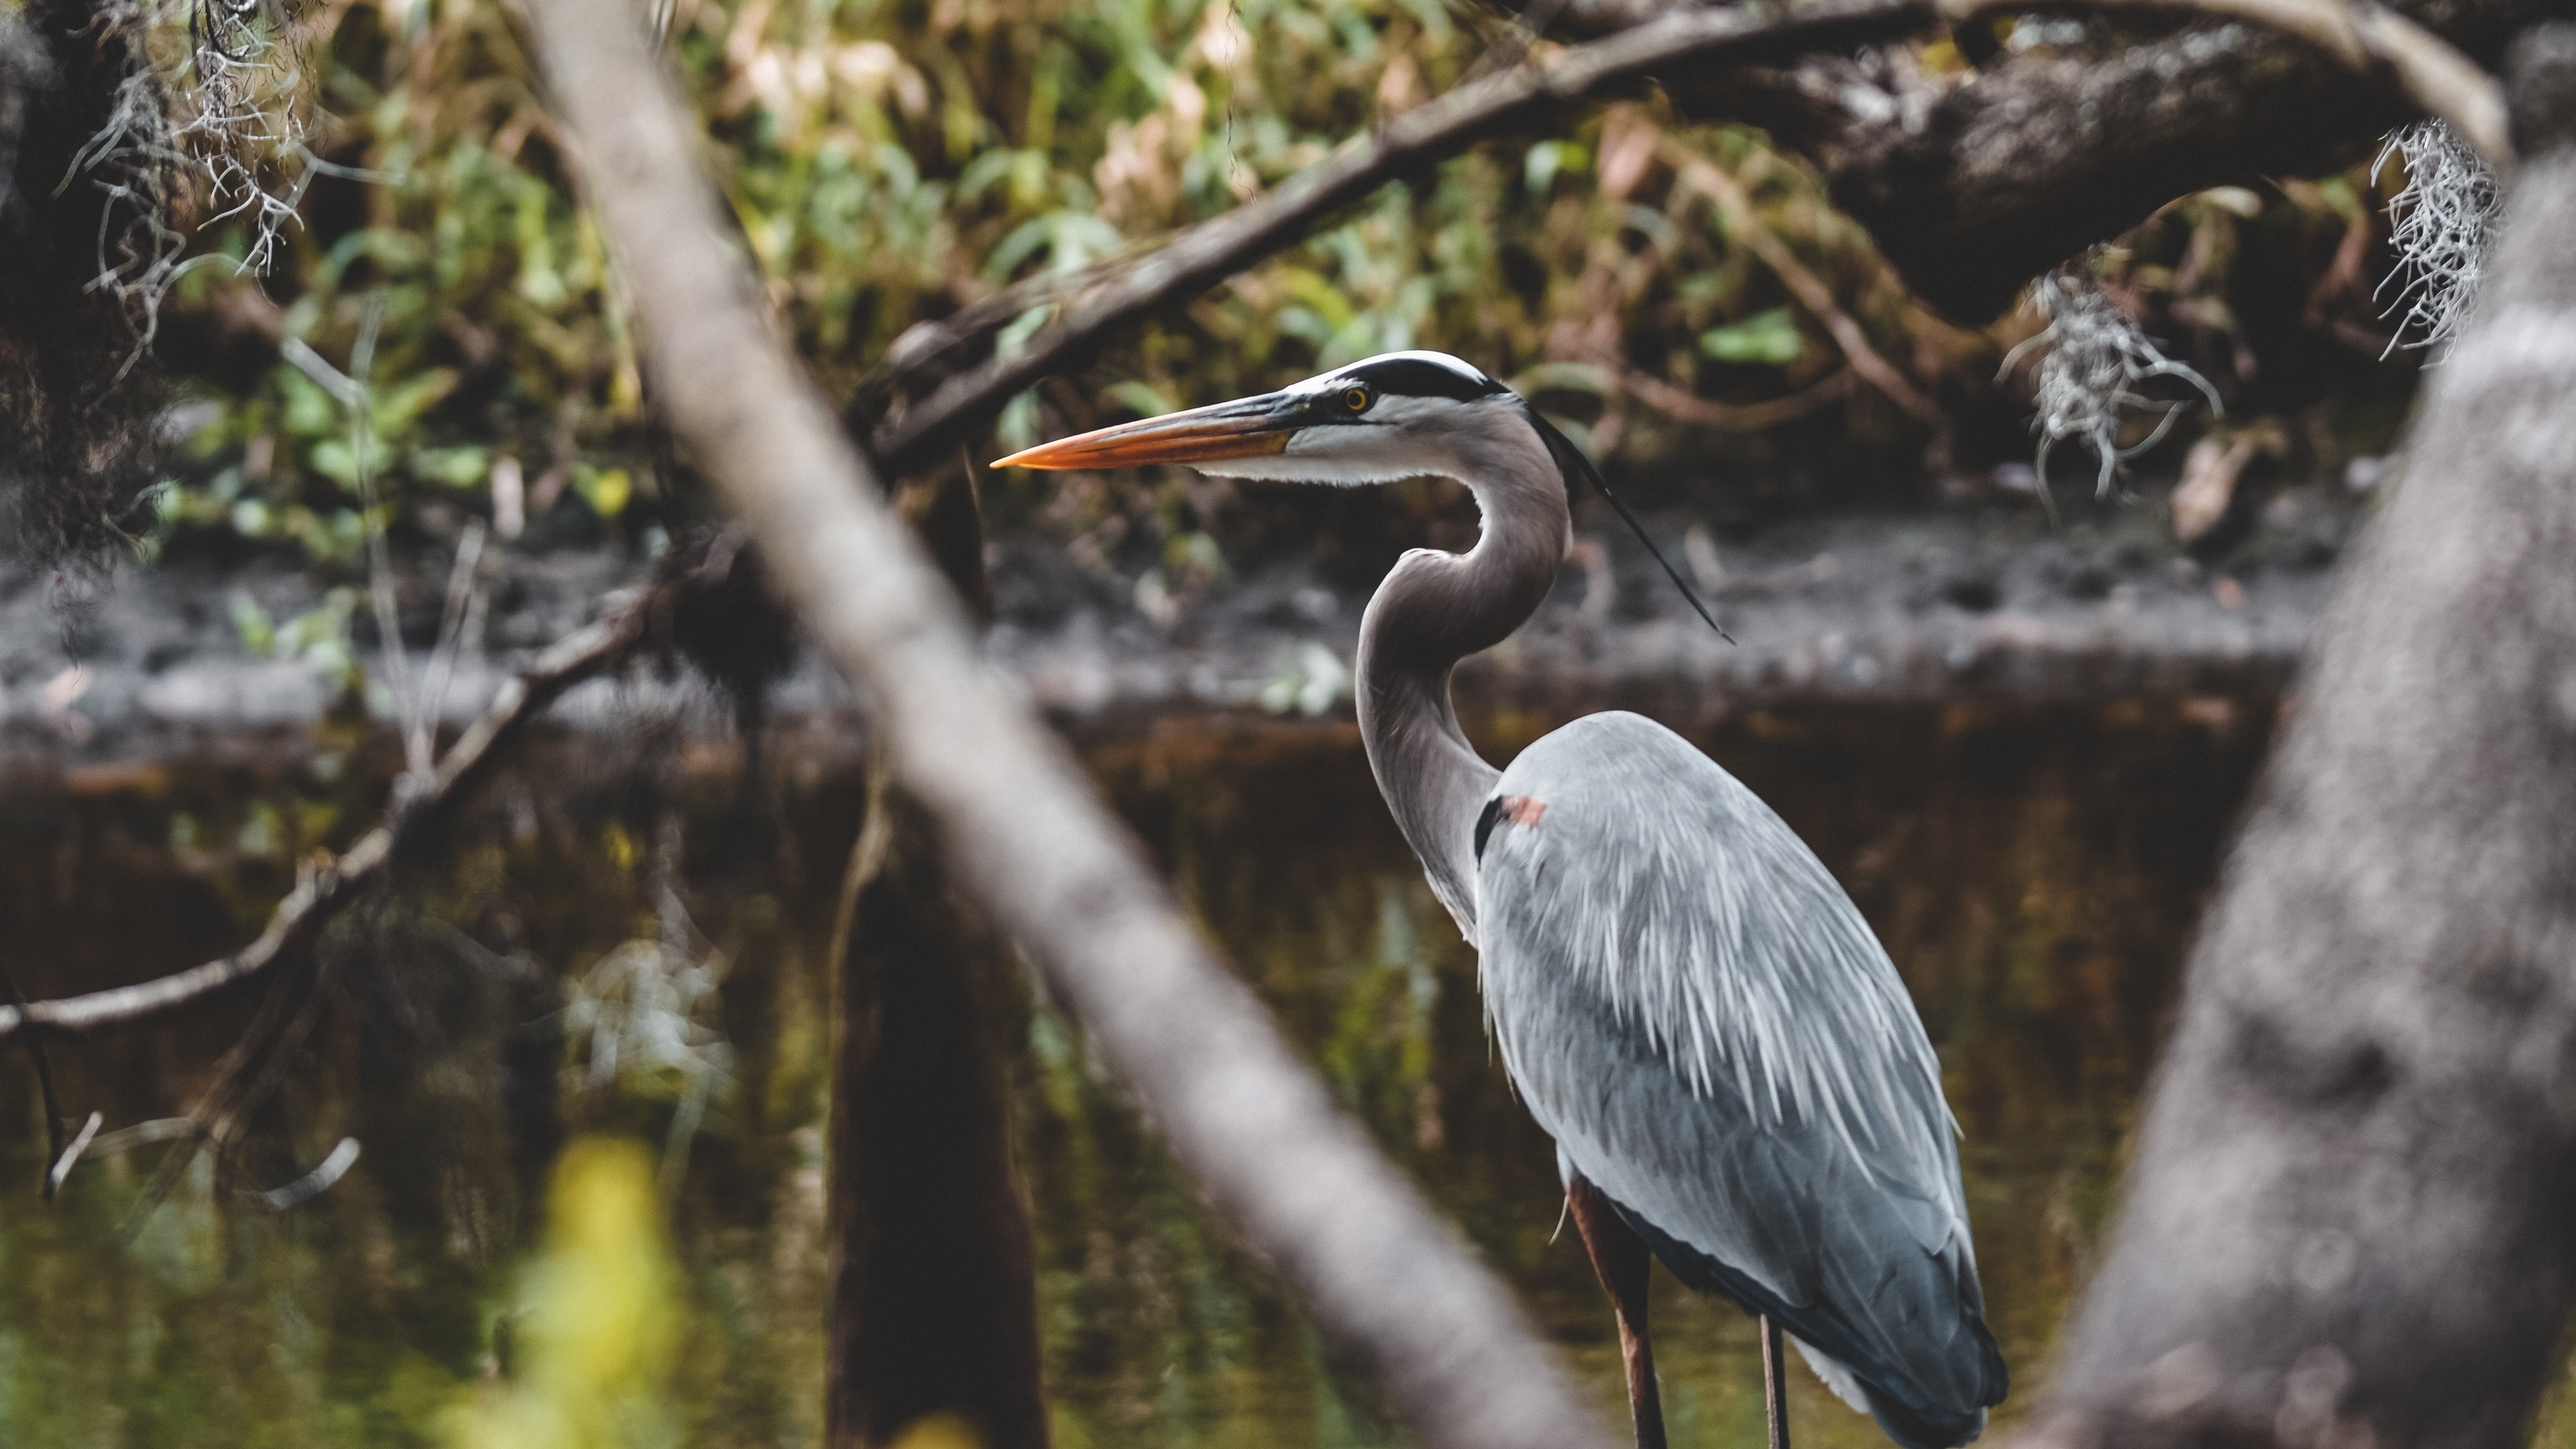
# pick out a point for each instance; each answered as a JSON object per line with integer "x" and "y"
{"x": 1129, "y": 290}
{"x": 1010, "y": 812}
{"x": 331, "y": 888}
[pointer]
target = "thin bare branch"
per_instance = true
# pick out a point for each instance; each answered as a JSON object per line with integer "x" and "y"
{"x": 1742, "y": 224}
{"x": 1017, "y": 823}
{"x": 1684, "y": 406}
{"x": 451, "y": 627}
{"x": 312, "y": 1184}
{"x": 331, "y": 887}
{"x": 1127, "y": 290}
{"x": 71, "y": 1156}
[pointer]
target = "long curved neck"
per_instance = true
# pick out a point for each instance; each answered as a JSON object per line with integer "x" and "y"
{"x": 1434, "y": 610}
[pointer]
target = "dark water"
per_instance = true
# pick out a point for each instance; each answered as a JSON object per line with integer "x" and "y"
{"x": 2034, "y": 875}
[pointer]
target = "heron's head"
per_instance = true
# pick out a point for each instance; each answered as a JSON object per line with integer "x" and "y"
{"x": 1402, "y": 415}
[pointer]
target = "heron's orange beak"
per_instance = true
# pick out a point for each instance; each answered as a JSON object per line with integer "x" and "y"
{"x": 1241, "y": 429}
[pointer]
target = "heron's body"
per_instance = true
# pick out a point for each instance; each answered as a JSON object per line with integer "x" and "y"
{"x": 1697, "y": 1014}
{"x": 1689, "y": 1004}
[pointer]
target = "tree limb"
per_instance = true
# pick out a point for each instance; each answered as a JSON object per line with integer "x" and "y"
{"x": 1019, "y": 827}
{"x": 327, "y": 890}
{"x": 2347, "y": 1215}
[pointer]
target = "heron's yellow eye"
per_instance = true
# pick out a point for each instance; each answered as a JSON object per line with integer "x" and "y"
{"x": 1358, "y": 399}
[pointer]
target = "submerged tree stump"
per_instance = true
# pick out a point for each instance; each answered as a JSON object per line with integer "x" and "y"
{"x": 933, "y": 1287}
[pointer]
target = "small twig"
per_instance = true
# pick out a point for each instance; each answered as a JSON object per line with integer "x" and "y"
{"x": 141, "y": 1134}
{"x": 252, "y": 1070}
{"x": 1522, "y": 30}
{"x": 71, "y": 1155}
{"x": 1688, "y": 407}
{"x": 380, "y": 563}
{"x": 257, "y": 1065}
{"x": 1743, "y": 224}
{"x": 451, "y": 627}
{"x": 1129, "y": 290}
{"x": 312, "y": 1184}
{"x": 867, "y": 857}
{"x": 44, "y": 1085}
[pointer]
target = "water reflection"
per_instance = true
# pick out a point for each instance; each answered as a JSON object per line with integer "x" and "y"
{"x": 2034, "y": 876}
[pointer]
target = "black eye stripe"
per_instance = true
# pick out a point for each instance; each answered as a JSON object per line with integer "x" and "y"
{"x": 1414, "y": 377}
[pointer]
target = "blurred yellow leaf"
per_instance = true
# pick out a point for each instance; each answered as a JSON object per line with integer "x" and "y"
{"x": 598, "y": 1317}
{"x": 606, "y": 490}
{"x": 939, "y": 1431}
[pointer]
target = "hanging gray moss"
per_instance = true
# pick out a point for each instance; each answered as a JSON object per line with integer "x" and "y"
{"x": 2440, "y": 223}
{"x": 126, "y": 127}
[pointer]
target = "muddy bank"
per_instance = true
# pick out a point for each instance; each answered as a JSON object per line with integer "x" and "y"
{"x": 1979, "y": 599}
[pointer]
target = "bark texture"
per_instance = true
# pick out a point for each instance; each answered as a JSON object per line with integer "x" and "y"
{"x": 934, "y": 1290}
{"x": 1973, "y": 185}
{"x": 2349, "y": 1214}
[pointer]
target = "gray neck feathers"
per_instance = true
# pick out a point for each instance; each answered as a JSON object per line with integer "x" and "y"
{"x": 1435, "y": 609}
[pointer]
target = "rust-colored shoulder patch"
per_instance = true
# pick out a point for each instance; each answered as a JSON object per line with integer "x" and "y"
{"x": 1518, "y": 809}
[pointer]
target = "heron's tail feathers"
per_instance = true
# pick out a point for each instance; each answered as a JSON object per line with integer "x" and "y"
{"x": 1928, "y": 1386}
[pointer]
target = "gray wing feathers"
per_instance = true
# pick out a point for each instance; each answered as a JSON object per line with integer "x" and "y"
{"x": 1698, "y": 1014}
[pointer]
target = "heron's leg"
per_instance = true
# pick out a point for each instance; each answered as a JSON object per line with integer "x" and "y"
{"x": 1622, "y": 1259}
{"x": 1775, "y": 1383}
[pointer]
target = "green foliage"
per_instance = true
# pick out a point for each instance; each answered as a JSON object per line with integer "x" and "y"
{"x": 890, "y": 162}
{"x": 1765, "y": 337}
{"x": 318, "y": 638}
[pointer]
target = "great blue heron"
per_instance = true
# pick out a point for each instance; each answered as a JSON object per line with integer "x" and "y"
{"x": 1734, "y": 1076}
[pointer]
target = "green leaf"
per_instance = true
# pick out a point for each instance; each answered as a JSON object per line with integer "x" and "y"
{"x": 1547, "y": 160}
{"x": 337, "y": 460}
{"x": 455, "y": 467}
{"x": 1765, "y": 337}
{"x": 398, "y": 407}
{"x": 1326, "y": 300}
{"x": 310, "y": 412}
{"x": 1142, "y": 399}
{"x": 257, "y": 630}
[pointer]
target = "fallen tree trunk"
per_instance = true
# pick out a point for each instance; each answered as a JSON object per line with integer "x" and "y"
{"x": 1014, "y": 820}
{"x": 2347, "y": 1221}
{"x": 1972, "y": 185}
